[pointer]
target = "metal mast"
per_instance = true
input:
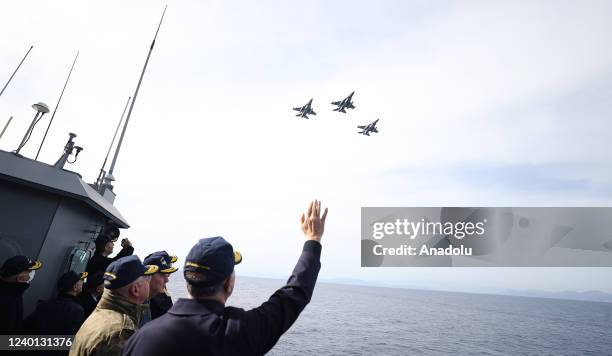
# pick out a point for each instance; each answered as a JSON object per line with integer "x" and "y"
{"x": 16, "y": 69}
{"x": 102, "y": 172}
{"x": 5, "y": 126}
{"x": 127, "y": 120}
{"x": 57, "y": 105}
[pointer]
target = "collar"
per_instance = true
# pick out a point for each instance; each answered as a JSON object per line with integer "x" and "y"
{"x": 113, "y": 301}
{"x": 185, "y": 306}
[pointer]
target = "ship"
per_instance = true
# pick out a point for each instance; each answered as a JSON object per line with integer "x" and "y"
{"x": 48, "y": 212}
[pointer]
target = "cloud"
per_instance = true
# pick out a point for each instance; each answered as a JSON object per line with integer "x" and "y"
{"x": 496, "y": 103}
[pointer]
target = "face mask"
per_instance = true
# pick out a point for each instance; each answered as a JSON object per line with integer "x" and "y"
{"x": 32, "y": 273}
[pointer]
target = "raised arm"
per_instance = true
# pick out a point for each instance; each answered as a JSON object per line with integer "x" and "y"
{"x": 266, "y": 323}
{"x": 126, "y": 249}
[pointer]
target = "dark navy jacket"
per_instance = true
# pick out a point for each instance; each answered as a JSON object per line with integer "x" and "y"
{"x": 11, "y": 307}
{"x": 155, "y": 307}
{"x": 207, "y": 327}
{"x": 60, "y": 316}
{"x": 88, "y": 302}
{"x": 98, "y": 263}
{"x": 160, "y": 304}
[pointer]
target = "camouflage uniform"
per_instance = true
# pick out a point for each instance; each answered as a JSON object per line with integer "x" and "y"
{"x": 108, "y": 327}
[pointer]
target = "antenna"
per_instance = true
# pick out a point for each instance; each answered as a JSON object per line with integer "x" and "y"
{"x": 41, "y": 110}
{"x": 56, "y": 106}
{"x": 102, "y": 172}
{"x": 16, "y": 69}
{"x": 127, "y": 120}
{"x": 68, "y": 149}
{"x": 5, "y": 126}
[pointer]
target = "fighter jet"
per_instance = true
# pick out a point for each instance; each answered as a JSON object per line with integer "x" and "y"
{"x": 365, "y": 130}
{"x": 305, "y": 110}
{"x": 345, "y": 103}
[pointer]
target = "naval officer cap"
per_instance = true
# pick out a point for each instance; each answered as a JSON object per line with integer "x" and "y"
{"x": 18, "y": 264}
{"x": 68, "y": 280}
{"x": 126, "y": 270}
{"x": 162, "y": 260}
{"x": 213, "y": 259}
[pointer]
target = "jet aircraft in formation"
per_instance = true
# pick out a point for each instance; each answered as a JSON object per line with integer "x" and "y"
{"x": 345, "y": 103}
{"x": 342, "y": 105}
{"x": 366, "y": 129}
{"x": 305, "y": 110}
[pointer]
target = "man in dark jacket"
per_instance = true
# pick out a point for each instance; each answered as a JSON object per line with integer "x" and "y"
{"x": 105, "y": 243}
{"x": 203, "y": 325}
{"x": 159, "y": 301}
{"x": 92, "y": 291}
{"x": 160, "y": 304}
{"x": 62, "y": 315}
{"x": 15, "y": 276}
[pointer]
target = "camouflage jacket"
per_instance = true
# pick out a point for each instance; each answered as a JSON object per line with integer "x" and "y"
{"x": 107, "y": 329}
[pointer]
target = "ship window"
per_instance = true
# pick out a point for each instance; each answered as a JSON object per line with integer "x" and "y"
{"x": 78, "y": 258}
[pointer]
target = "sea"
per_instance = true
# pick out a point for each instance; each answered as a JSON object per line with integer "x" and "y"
{"x": 362, "y": 320}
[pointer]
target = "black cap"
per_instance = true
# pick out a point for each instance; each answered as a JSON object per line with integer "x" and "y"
{"x": 125, "y": 271}
{"x": 112, "y": 232}
{"x": 213, "y": 258}
{"x": 68, "y": 279}
{"x": 162, "y": 260}
{"x": 18, "y": 264}
{"x": 94, "y": 280}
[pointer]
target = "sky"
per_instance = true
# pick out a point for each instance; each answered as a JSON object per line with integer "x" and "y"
{"x": 480, "y": 104}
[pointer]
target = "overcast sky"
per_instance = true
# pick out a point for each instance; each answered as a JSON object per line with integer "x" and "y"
{"x": 480, "y": 104}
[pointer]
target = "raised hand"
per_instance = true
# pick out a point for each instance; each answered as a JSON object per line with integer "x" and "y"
{"x": 313, "y": 224}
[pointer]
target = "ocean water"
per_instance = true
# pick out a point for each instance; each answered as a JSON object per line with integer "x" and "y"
{"x": 358, "y": 320}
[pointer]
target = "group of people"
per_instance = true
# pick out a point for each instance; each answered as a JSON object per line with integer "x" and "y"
{"x": 78, "y": 293}
{"x": 120, "y": 305}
